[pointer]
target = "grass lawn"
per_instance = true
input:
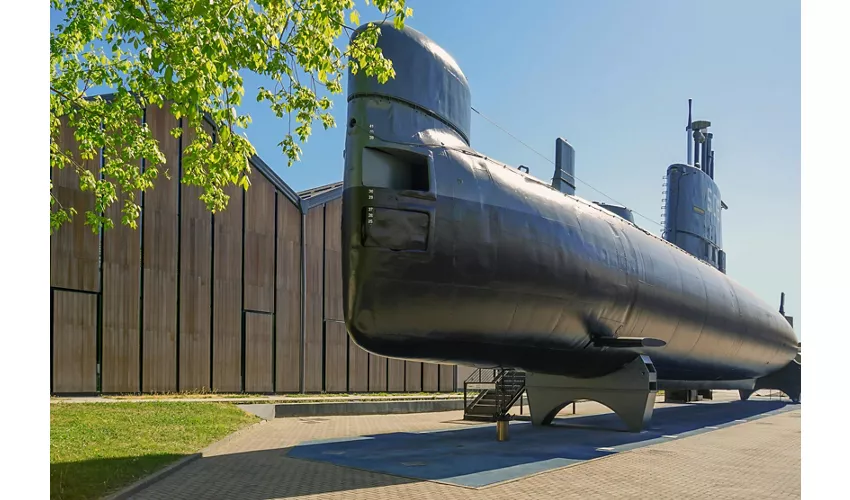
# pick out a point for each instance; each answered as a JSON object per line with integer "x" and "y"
{"x": 97, "y": 448}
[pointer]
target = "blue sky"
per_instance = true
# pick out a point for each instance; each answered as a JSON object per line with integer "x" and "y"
{"x": 613, "y": 78}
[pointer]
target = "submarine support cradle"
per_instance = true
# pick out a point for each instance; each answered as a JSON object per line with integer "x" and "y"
{"x": 787, "y": 380}
{"x": 629, "y": 392}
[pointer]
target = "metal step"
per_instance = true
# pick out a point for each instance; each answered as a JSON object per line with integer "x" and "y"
{"x": 509, "y": 385}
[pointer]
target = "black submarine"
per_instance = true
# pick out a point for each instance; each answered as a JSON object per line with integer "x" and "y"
{"x": 450, "y": 256}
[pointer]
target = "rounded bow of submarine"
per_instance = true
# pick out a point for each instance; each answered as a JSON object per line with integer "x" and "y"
{"x": 425, "y": 76}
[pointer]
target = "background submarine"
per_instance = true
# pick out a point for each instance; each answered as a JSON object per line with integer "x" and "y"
{"x": 450, "y": 256}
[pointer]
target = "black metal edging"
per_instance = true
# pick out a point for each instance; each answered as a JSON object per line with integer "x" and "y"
{"x": 274, "y": 300}
{"x": 98, "y": 353}
{"x": 51, "y": 340}
{"x": 63, "y": 289}
{"x": 324, "y": 296}
{"x": 179, "y": 250}
{"x": 212, "y": 290}
{"x": 302, "y": 347}
{"x": 254, "y": 311}
{"x": 142, "y": 271}
{"x": 242, "y": 367}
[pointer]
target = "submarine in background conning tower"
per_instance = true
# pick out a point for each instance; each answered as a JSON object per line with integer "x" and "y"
{"x": 452, "y": 257}
{"x": 692, "y": 202}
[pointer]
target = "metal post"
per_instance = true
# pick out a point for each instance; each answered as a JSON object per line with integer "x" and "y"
{"x": 502, "y": 426}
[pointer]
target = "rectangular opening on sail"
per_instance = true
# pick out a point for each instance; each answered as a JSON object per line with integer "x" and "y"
{"x": 395, "y": 169}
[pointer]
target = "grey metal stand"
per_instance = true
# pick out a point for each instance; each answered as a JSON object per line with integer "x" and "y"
{"x": 786, "y": 380}
{"x": 629, "y": 392}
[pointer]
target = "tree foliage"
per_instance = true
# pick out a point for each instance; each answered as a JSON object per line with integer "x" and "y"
{"x": 193, "y": 54}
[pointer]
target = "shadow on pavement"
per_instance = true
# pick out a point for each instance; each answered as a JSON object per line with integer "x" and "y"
{"x": 467, "y": 456}
{"x": 95, "y": 478}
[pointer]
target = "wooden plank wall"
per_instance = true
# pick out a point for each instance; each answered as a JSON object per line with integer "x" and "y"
{"x": 358, "y": 366}
{"x": 336, "y": 339}
{"x": 396, "y": 376}
{"x": 447, "y": 376}
{"x": 288, "y": 307}
{"x": 174, "y": 315}
{"x": 259, "y": 284}
{"x": 195, "y": 285}
{"x": 74, "y": 341}
{"x": 227, "y": 294}
{"x": 314, "y": 298}
{"x": 159, "y": 274}
{"x": 74, "y": 266}
{"x": 430, "y": 377}
{"x": 258, "y": 352}
{"x": 121, "y": 289}
{"x": 377, "y": 373}
{"x": 413, "y": 376}
{"x": 259, "y": 244}
{"x": 74, "y": 248}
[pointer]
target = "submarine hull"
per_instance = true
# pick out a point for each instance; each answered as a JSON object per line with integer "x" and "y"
{"x": 449, "y": 256}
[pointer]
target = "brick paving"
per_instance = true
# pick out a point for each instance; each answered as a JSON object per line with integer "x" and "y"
{"x": 757, "y": 459}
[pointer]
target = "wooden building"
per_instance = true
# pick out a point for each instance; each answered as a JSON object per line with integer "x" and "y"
{"x": 248, "y": 300}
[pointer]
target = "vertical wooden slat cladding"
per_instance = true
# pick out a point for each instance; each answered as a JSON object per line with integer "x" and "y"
{"x": 288, "y": 307}
{"x": 313, "y": 251}
{"x": 335, "y": 354}
{"x": 159, "y": 316}
{"x": 258, "y": 352}
{"x": 358, "y": 367}
{"x": 396, "y": 376}
{"x": 74, "y": 342}
{"x": 413, "y": 381}
{"x": 195, "y": 285}
{"x": 259, "y": 244}
{"x": 336, "y": 339}
{"x": 430, "y": 382}
{"x": 377, "y": 373}
{"x": 447, "y": 378}
{"x": 120, "y": 333}
{"x": 74, "y": 247}
{"x": 227, "y": 295}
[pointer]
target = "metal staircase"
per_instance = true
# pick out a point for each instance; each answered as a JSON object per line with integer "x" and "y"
{"x": 490, "y": 393}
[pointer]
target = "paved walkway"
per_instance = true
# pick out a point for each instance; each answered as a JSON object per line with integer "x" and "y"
{"x": 757, "y": 459}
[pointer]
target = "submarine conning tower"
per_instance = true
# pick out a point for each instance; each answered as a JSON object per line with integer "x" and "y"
{"x": 429, "y": 92}
{"x": 692, "y": 202}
